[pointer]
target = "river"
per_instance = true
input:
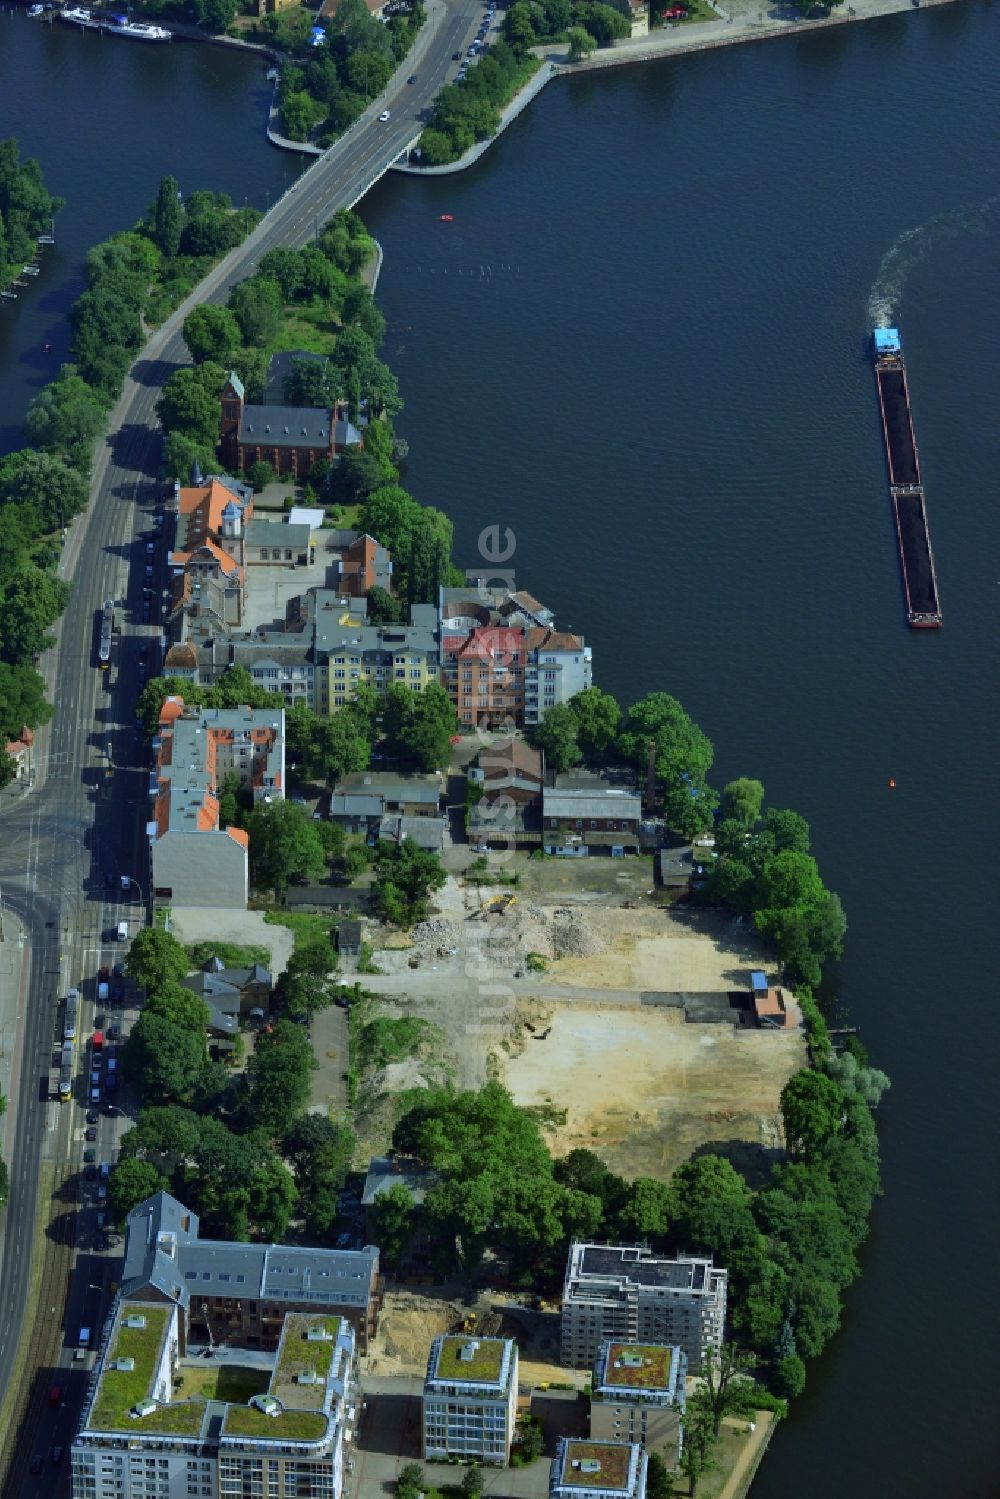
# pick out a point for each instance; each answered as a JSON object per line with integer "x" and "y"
{"x": 641, "y": 345}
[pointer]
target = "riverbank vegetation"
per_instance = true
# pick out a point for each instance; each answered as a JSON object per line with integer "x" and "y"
{"x": 467, "y": 112}
{"x": 27, "y": 209}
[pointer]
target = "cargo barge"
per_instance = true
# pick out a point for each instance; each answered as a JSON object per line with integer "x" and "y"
{"x": 923, "y": 610}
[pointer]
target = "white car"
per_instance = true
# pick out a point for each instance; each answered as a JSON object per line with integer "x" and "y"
{"x": 384, "y": 115}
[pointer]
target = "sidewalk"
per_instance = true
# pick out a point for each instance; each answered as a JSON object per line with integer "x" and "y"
{"x": 520, "y": 101}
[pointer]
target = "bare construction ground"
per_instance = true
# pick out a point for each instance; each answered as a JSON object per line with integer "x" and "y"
{"x": 631, "y": 1080}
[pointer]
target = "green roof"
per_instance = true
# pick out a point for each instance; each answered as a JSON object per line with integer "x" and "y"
{"x": 298, "y": 1426}
{"x": 297, "y": 1354}
{"x": 484, "y": 1365}
{"x": 120, "y": 1390}
{"x": 650, "y": 1371}
{"x": 614, "y": 1458}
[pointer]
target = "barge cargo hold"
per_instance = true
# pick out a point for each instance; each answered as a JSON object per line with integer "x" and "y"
{"x": 923, "y": 610}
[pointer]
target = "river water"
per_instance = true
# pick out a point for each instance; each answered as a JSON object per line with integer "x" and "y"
{"x": 641, "y": 345}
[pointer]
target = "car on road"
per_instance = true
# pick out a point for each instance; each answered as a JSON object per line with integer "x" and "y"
{"x": 117, "y": 992}
{"x": 55, "y": 1395}
{"x": 95, "y": 1095}
{"x": 109, "y": 881}
{"x": 150, "y": 548}
{"x": 90, "y": 1133}
{"x": 92, "y": 1116}
{"x": 36, "y": 1464}
{"x": 456, "y": 56}
{"x": 90, "y": 1173}
{"x": 412, "y": 78}
{"x": 384, "y": 115}
{"x": 146, "y": 613}
{"x": 57, "y": 1454}
{"x": 114, "y": 1031}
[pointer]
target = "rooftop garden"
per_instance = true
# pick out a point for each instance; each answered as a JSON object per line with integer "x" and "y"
{"x": 289, "y": 1426}
{"x": 484, "y": 1365}
{"x": 638, "y": 1366}
{"x": 614, "y": 1459}
{"x": 297, "y": 1354}
{"x": 120, "y": 1390}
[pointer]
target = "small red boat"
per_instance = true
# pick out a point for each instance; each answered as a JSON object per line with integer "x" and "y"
{"x": 447, "y": 218}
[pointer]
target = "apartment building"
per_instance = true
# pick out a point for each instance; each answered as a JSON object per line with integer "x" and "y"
{"x": 638, "y": 1395}
{"x": 624, "y": 1293}
{"x": 598, "y": 1470}
{"x": 153, "y": 1426}
{"x": 470, "y": 1399}
{"x": 350, "y": 651}
{"x": 242, "y": 1293}
{"x": 503, "y": 662}
{"x": 195, "y": 861}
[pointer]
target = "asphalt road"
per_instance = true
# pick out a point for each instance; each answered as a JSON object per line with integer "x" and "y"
{"x": 84, "y": 818}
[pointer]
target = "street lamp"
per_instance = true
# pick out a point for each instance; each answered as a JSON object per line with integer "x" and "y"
{"x": 127, "y": 881}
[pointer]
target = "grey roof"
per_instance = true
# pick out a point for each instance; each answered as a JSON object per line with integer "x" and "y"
{"x": 279, "y": 367}
{"x": 356, "y": 804}
{"x": 675, "y": 865}
{"x": 219, "y": 1020}
{"x": 638, "y": 1265}
{"x": 612, "y": 801}
{"x": 425, "y": 832}
{"x": 214, "y": 990}
{"x": 269, "y": 533}
{"x": 161, "y": 1251}
{"x": 285, "y": 426}
{"x": 388, "y": 785}
{"x": 389, "y": 1171}
{"x": 419, "y": 638}
{"x": 345, "y": 434}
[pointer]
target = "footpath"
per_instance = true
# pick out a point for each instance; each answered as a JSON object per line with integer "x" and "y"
{"x": 738, "y": 22}
{"x": 13, "y": 997}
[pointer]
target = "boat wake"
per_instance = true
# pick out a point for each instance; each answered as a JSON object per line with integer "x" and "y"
{"x": 914, "y": 245}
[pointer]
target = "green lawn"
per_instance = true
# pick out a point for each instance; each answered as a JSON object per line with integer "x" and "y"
{"x": 306, "y": 926}
{"x": 248, "y": 1421}
{"x": 230, "y": 1382}
{"x": 304, "y": 328}
{"x": 120, "y": 1390}
{"x": 231, "y": 953}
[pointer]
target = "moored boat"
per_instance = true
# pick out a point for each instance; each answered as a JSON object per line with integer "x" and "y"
{"x": 139, "y": 31}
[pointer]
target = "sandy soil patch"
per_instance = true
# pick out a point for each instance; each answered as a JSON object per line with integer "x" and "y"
{"x": 644, "y": 1088}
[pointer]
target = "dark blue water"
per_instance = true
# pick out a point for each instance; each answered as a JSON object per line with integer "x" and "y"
{"x": 641, "y": 344}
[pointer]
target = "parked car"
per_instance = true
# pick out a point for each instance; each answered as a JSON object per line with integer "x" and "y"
{"x": 36, "y": 1464}
{"x": 95, "y": 1095}
{"x": 92, "y": 1118}
{"x": 384, "y": 115}
{"x": 412, "y": 78}
{"x": 90, "y": 1173}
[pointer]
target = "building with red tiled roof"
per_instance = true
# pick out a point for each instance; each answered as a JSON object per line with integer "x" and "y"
{"x": 483, "y": 673}
{"x": 196, "y": 861}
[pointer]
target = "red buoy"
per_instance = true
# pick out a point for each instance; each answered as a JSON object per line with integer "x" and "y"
{"x": 892, "y": 783}
{"x": 447, "y": 218}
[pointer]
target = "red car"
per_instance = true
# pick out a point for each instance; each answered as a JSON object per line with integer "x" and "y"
{"x": 55, "y": 1395}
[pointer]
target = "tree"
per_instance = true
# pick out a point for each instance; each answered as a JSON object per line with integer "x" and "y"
{"x": 517, "y": 29}
{"x": 278, "y": 1077}
{"x": 22, "y": 700}
{"x": 473, "y": 1482}
{"x": 312, "y": 382}
{"x": 711, "y": 1207}
{"x": 410, "y": 1482}
{"x": 261, "y": 474}
{"x": 788, "y": 829}
{"x": 182, "y": 1007}
{"x": 696, "y": 1453}
{"x": 405, "y": 876}
{"x": 646, "y": 1211}
{"x": 327, "y": 748}
{"x": 38, "y": 493}
{"x": 383, "y": 609}
{"x": 581, "y": 43}
{"x": 156, "y": 960}
{"x": 555, "y": 736}
{"x": 161, "y": 1059}
{"x": 320, "y": 1150}
{"x": 659, "y": 1484}
{"x": 812, "y": 1109}
{"x": 419, "y": 725}
{"x": 306, "y": 984}
{"x": 31, "y": 603}
{"x": 270, "y": 1200}
{"x": 65, "y": 418}
{"x": 790, "y": 881}
{"x": 722, "y": 1372}
{"x": 851, "y": 1076}
{"x": 190, "y": 403}
{"x": 598, "y": 718}
{"x": 742, "y": 800}
{"x": 256, "y": 305}
{"x": 167, "y": 218}
{"x": 531, "y": 1440}
{"x": 683, "y": 757}
{"x": 183, "y": 456}
{"x": 391, "y": 1217}
{"x": 605, "y": 23}
{"x": 789, "y": 1377}
{"x": 211, "y": 332}
{"x": 285, "y": 845}
{"x": 284, "y": 265}
{"x": 130, "y": 1183}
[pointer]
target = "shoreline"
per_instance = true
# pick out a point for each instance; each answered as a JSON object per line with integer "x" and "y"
{"x": 727, "y": 31}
